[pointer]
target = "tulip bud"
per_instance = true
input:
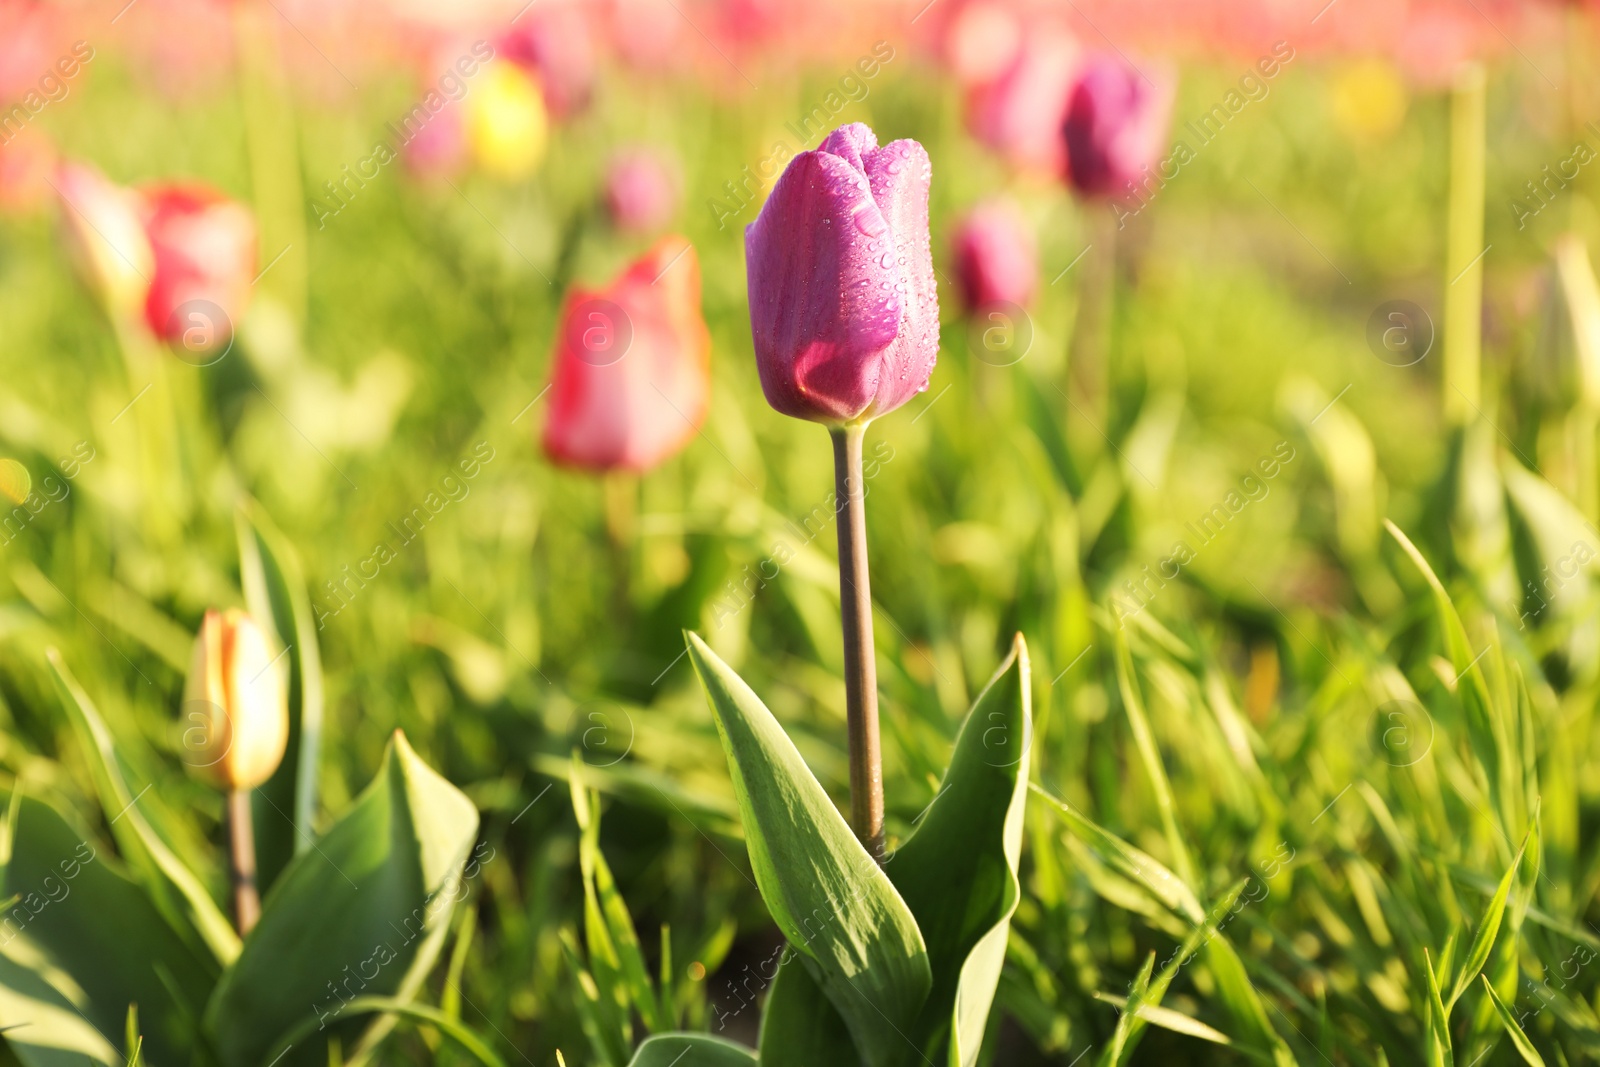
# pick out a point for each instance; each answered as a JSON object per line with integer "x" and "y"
{"x": 995, "y": 261}
{"x": 205, "y": 263}
{"x": 105, "y": 238}
{"x": 1116, "y": 125}
{"x": 641, "y": 191}
{"x": 631, "y": 378}
{"x": 506, "y": 122}
{"x": 843, "y": 306}
{"x": 235, "y": 702}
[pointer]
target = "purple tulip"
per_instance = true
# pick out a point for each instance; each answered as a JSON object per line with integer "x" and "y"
{"x": 995, "y": 260}
{"x": 843, "y": 305}
{"x": 1116, "y": 125}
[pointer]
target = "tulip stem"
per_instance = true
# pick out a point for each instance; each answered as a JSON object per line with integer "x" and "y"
{"x": 860, "y": 662}
{"x": 621, "y": 496}
{"x": 242, "y": 865}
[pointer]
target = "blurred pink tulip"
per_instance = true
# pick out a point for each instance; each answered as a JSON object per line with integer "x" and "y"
{"x": 843, "y": 303}
{"x": 995, "y": 258}
{"x": 641, "y": 191}
{"x": 440, "y": 145}
{"x": 31, "y": 37}
{"x": 1116, "y": 124}
{"x": 981, "y": 40}
{"x": 647, "y": 34}
{"x": 556, "y": 45}
{"x": 26, "y": 161}
{"x": 1020, "y": 113}
{"x": 747, "y": 24}
{"x": 205, "y": 263}
{"x": 1436, "y": 41}
{"x": 631, "y": 377}
{"x": 105, "y": 237}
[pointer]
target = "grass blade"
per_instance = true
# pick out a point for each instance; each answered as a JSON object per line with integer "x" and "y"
{"x": 1513, "y": 1031}
{"x": 1488, "y": 929}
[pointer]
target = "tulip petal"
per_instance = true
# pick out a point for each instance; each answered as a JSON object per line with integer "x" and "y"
{"x": 900, "y": 173}
{"x": 851, "y": 143}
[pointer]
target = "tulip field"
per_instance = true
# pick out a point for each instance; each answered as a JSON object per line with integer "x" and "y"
{"x": 717, "y": 533}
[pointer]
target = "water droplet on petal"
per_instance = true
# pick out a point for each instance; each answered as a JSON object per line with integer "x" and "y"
{"x": 869, "y": 220}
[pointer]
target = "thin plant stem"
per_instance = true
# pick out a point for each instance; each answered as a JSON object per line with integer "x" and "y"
{"x": 860, "y": 663}
{"x": 152, "y": 413}
{"x": 1090, "y": 341}
{"x": 242, "y": 861}
{"x": 620, "y": 491}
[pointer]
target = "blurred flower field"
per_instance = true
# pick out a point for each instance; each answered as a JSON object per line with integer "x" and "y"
{"x": 386, "y": 390}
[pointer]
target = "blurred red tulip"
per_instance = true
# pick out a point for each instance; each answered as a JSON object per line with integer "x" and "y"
{"x": 631, "y": 375}
{"x": 995, "y": 258}
{"x": 641, "y": 191}
{"x": 105, "y": 238}
{"x": 556, "y": 45}
{"x": 1019, "y": 114}
{"x": 1116, "y": 124}
{"x": 205, "y": 263}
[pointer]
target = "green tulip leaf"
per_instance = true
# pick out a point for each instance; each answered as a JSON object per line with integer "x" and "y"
{"x": 691, "y": 1050}
{"x": 799, "y": 1025}
{"x": 614, "y": 952}
{"x": 958, "y": 872}
{"x": 362, "y": 914}
{"x": 837, "y": 907}
{"x": 286, "y": 804}
{"x": 81, "y": 944}
{"x": 176, "y": 891}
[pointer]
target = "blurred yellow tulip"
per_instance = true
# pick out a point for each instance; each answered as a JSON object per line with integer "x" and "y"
{"x": 234, "y": 703}
{"x": 507, "y": 124}
{"x": 1369, "y": 99}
